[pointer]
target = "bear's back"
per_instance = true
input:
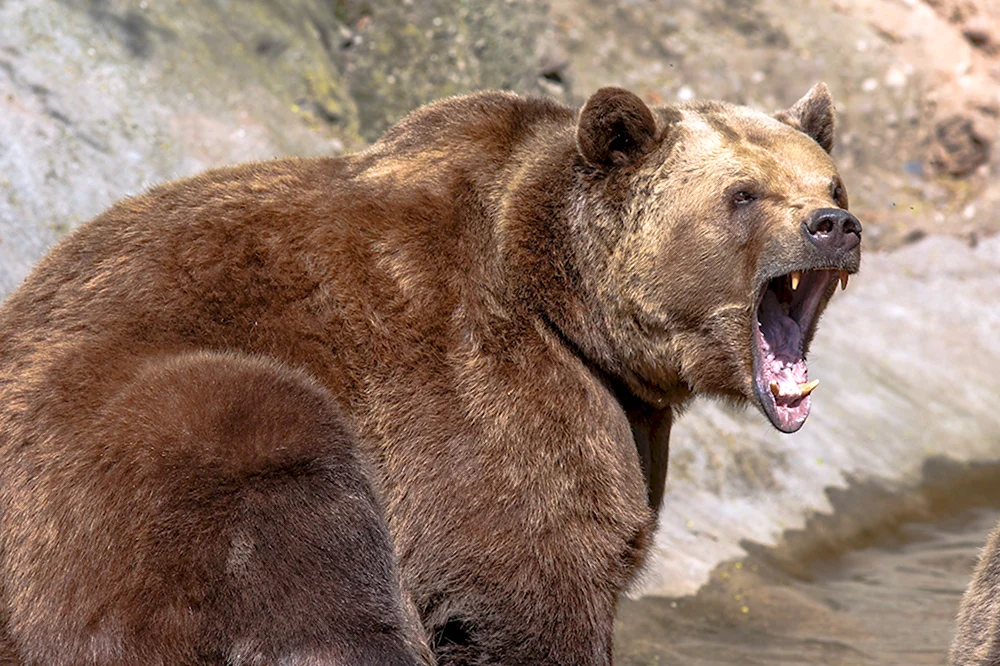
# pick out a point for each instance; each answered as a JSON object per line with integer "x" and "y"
{"x": 326, "y": 264}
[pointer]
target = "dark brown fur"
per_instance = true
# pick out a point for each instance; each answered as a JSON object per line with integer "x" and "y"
{"x": 496, "y": 307}
{"x": 977, "y": 636}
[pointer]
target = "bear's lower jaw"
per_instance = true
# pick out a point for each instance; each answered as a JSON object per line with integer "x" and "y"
{"x": 787, "y": 311}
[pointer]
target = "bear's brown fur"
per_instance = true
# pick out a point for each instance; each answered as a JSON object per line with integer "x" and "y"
{"x": 977, "y": 635}
{"x": 480, "y": 329}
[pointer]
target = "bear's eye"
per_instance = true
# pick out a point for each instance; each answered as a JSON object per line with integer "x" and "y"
{"x": 744, "y": 197}
{"x": 839, "y": 194}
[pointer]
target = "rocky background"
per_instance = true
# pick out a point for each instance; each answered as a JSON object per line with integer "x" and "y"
{"x": 101, "y": 98}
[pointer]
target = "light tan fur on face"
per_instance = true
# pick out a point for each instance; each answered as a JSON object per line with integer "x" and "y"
{"x": 695, "y": 271}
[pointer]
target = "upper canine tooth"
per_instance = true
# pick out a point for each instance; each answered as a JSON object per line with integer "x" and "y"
{"x": 843, "y": 280}
{"x": 796, "y": 276}
{"x": 775, "y": 389}
{"x": 807, "y": 388}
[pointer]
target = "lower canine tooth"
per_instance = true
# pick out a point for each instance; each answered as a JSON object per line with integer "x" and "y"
{"x": 775, "y": 389}
{"x": 843, "y": 280}
{"x": 807, "y": 388}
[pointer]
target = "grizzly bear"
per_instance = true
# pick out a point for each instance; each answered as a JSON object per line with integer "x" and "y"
{"x": 977, "y": 638}
{"x": 407, "y": 405}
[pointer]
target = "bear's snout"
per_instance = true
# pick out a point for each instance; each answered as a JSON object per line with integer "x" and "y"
{"x": 832, "y": 230}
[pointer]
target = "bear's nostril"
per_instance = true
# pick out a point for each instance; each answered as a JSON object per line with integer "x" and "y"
{"x": 826, "y": 221}
{"x": 852, "y": 225}
{"x": 832, "y": 229}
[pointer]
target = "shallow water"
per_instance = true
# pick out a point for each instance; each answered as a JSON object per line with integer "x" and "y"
{"x": 887, "y": 596}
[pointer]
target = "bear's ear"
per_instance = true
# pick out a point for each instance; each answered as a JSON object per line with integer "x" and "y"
{"x": 615, "y": 128}
{"x": 813, "y": 114}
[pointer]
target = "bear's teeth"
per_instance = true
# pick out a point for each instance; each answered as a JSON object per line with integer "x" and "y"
{"x": 804, "y": 389}
{"x": 796, "y": 276}
{"x": 843, "y": 280}
{"x": 807, "y": 388}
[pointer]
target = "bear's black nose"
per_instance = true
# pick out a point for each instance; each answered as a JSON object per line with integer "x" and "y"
{"x": 832, "y": 229}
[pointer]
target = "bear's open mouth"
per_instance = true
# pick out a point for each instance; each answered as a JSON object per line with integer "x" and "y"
{"x": 787, "y": 309}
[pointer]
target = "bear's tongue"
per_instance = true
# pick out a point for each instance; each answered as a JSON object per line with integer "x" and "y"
{"x": 782, "y": 373}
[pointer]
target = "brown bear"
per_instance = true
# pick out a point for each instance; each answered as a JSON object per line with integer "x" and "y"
{"x": 353, "y": 410}
{"x": 977, "y": 638}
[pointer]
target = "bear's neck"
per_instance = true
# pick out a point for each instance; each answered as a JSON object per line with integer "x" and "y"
{"x": 544, "y": 227}
{"x": 514, "y": 161}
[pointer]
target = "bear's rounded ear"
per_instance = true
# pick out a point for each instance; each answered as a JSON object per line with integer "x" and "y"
{"x": 615, "y": 128}
{"x": 813, "y": 114}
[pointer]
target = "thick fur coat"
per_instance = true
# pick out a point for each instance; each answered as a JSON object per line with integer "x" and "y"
{"x": 361, "y": 409}
{"x": 977, "y": 635}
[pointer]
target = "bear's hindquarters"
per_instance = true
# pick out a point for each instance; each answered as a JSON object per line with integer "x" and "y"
{"x": 217, "y": 512}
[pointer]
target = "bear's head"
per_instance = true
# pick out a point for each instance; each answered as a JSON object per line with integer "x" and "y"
{"x": 713, "y": 237}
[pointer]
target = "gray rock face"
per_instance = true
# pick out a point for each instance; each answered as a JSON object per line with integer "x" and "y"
{"x": 399, "y": 55}
{"x": 100, "y": 99}
{"x": 99, "y": 103}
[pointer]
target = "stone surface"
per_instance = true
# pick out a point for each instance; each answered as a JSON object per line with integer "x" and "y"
{"x": 100, "y": 99}
{"x": 399, "y": 55}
